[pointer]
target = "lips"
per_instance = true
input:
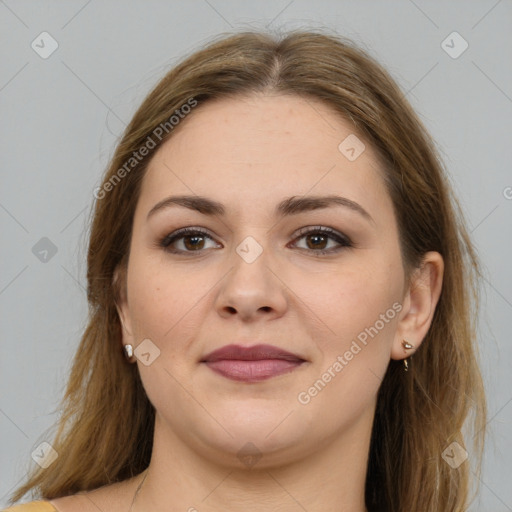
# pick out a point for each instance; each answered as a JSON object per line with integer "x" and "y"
{"x": 251, "y": 364}
{"x": 254, "y": 353}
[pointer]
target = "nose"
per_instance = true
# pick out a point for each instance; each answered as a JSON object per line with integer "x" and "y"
{"x": 252, "y": 290}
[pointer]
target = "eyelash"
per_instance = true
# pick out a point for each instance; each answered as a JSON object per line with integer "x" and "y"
{"x": 338, "y": 237}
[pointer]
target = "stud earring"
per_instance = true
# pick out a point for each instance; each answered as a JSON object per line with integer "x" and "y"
{"x": 407, "y": 346}
{"x": 128, "y": 351}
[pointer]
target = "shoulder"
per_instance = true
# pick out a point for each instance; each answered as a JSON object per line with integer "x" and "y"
{"x": 32, "y": 506}
{"x": 115, "y": 497}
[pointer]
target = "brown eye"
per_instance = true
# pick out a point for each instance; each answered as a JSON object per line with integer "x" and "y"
{"x": 317, "y": 241}
{"x": 185, "y": 241}
{"x": 318, "y": 238}
{"x": 193, "y": 242}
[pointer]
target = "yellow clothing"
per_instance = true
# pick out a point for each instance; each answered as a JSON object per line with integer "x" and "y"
{"x": 33, "y": 506}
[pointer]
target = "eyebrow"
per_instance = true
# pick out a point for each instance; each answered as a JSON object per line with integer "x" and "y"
{"x": 289, "y": 206}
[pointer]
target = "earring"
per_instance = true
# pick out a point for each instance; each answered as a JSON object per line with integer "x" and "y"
{"x": 407, "y": 346}
{"x": 128, "y": 351}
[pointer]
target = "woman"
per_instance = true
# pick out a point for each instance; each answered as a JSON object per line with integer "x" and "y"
{"x": 277, "y": 251}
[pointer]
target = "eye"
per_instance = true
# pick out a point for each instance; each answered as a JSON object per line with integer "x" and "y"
{"x": 190, "y": 240}
{"x": 318, "y": 237}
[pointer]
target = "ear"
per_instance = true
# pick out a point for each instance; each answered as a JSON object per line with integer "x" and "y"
{"x": 120, "y": 288}
{"x": 419, "y": 305}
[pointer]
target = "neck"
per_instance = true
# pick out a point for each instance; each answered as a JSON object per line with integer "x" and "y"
{"x": 332, "y": 478}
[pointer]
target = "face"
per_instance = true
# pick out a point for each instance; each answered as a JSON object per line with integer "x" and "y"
{"x": 260, "y": 274}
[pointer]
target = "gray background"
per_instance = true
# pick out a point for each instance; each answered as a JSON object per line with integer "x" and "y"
{"x": 61, "y": 116}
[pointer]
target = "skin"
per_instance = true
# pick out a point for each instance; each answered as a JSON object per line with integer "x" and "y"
{"x": 249, "y": 154}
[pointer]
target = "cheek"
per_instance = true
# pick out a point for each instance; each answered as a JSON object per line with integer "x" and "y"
{"x": 355, "y": 314}
{"x": 359, "y": 314}
{"x": 351, "y": 296}
{"x": 166, "y": 301}
{"x": 155, "y": 299}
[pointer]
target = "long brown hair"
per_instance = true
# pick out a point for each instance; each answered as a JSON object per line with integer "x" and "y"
{"x": 104, "y": 434}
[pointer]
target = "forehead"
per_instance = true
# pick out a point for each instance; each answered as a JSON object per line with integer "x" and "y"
{"x": 254, "y": 150}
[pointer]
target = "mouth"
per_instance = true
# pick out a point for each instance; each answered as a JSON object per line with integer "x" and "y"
{"x": 251, "y": 364}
